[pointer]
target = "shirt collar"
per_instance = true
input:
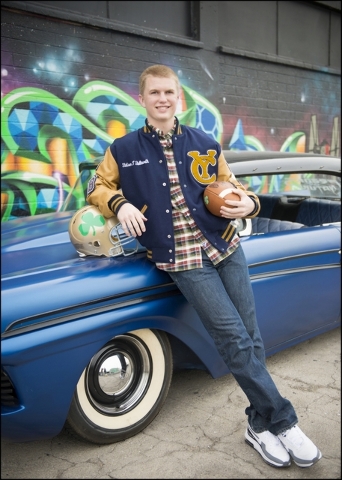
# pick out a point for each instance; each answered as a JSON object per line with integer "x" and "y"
{"x": 160, "y": 133}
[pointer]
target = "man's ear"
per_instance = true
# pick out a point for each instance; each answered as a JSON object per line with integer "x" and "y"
{"x": 141, "y": 100}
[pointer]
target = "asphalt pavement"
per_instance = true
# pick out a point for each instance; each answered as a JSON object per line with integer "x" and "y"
{"x": 199, "y": 432}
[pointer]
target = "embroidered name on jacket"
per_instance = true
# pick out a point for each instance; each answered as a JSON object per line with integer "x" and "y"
{"x": 135, "y": 162}
{"x": 200, "y": 164}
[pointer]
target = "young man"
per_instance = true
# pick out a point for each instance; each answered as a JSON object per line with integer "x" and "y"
{"x": 163, "y": 169}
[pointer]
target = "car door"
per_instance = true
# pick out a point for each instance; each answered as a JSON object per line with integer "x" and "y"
{"x": 296, "y": 280}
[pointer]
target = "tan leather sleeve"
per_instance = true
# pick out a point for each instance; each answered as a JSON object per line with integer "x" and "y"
{"x": 107, "y": 186}
{"x": 226, "y": 175}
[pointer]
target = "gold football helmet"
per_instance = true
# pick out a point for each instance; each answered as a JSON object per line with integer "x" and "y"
{"x": 92, "y": 234}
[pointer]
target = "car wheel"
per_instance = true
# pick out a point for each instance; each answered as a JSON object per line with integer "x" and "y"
{"x": 123, "y": 387}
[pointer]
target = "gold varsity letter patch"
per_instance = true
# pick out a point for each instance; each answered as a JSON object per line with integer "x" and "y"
{"x": 200, "y": 165}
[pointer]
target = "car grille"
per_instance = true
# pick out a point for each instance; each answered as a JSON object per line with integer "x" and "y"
{"x": 8, "y": 394}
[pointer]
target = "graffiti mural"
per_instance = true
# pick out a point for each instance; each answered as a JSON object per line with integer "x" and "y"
{"x": 44, "y": 139}
{"x": 68, "y": 89}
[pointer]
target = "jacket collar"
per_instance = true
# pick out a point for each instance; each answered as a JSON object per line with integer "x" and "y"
{"x": 178, "y": 128}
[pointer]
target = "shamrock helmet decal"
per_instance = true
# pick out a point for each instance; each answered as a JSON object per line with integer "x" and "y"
{"x": 93, "y": 234}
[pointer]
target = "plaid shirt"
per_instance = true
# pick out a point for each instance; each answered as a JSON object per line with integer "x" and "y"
{"x": 189, "y": 240}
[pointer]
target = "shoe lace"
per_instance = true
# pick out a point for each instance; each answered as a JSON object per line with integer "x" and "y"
{"x": 293, "y": 436}
{"x": 272, "y": 438}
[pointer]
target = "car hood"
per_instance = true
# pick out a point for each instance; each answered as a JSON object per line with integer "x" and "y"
{"x": 43, "y": 275}
{"x": 22, "y": 239}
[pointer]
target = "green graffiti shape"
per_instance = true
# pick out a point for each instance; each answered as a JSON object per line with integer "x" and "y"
{"x": 90, "y": 222}
{"x": 290, "y": 144}
{"x": 27, "y": 94}
{"x": 119, "y": 104}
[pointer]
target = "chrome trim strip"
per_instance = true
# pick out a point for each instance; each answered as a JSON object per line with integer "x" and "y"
{"x": 64, "y": 316}
{"x": 85, "y": 313}
{"x": 293, "y": 257}
{"x": 290, "y": 271}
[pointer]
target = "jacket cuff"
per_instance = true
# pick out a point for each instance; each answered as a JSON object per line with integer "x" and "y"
{"x": 116, "y": 202}
{"x": 256, "y": 208}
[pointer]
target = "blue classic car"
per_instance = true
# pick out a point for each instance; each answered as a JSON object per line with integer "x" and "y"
{"x": 90, "y": 343}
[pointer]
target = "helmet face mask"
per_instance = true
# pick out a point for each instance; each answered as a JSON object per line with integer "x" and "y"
{"x": 120, "y": 241}
{"x": 92, "y": 234}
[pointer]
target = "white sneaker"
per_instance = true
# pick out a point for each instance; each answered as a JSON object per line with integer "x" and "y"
{"x": 269, "y": 447}
{"x": 303, "y": 451}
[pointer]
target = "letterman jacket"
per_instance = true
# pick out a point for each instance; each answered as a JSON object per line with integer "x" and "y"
{"x": 134, "y": 170}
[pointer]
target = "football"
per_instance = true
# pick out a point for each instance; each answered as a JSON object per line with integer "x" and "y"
{"x": 216, "y": 193}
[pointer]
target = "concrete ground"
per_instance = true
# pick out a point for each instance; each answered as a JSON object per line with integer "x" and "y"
{"x": 200, "y": 431}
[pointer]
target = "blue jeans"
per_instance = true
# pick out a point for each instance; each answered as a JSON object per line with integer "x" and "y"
{"x": 223, "y": 298}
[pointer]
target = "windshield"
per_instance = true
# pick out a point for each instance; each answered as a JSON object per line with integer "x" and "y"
{"x": 77, "y": 197}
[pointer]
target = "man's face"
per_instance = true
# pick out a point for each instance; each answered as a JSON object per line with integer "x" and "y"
{"x": 160, "y": 99}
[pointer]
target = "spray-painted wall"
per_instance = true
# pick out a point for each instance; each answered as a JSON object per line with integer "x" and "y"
{"x": 69, "y": 89}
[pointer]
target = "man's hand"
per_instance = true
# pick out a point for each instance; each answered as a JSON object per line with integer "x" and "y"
{"x": 132, "y": 220}
{"x": 241, "y": 208}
